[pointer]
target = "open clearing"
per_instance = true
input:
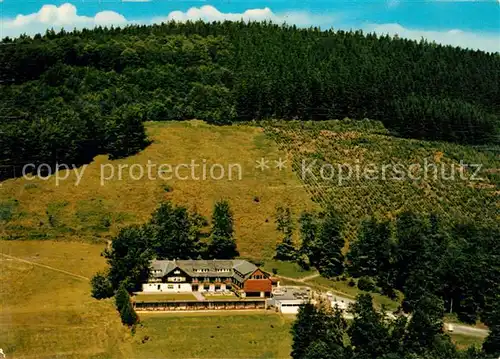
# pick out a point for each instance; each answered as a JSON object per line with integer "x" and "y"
{"x": 217, "y": 335}
{"x": 45, "y": 312}
{"x": 38, "y": 209}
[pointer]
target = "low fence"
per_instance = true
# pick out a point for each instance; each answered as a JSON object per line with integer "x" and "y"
{"x": 229, "y": 304}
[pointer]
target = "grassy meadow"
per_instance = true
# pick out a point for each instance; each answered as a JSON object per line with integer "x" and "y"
{"x": 47, "y": 314}
{"x": 91, "y": 212}
{"x": 213, "y": 335}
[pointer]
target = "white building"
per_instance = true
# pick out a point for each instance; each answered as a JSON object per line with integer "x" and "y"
{"x": 287, "y": 300}
{"x": 180, "y": 276}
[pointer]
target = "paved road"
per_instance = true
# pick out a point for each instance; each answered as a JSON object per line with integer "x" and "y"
{"x": 469, "y": 331}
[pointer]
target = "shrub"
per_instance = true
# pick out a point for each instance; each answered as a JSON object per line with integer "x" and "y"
{"x": 101, "y": 286}
{"x": 366, "y": 284}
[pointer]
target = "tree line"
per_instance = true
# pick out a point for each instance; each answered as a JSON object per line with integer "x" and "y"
{"x": 68, "y": 96}
{"x": 320, "y": 332}
{"x": 416, "y": 254}
{"x": 172, "y": 233}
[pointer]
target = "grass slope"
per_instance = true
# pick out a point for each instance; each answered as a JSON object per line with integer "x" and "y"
{"x": 46, "y": 313}
{"x": 213, "y": 335}
{"x": 39, "y": 209}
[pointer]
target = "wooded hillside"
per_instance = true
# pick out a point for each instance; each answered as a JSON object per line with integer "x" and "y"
{"x": 66, "y": 97}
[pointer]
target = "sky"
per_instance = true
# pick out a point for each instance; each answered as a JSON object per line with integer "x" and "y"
{"x": 471, "y": 24}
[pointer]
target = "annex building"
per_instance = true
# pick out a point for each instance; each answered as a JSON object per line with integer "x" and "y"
{"x": 180, "y": 276}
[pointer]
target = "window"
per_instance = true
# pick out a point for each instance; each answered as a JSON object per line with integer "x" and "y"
{"x": 159, "y": 286}
{"x": 170, "y": 286}
{"x": 217, "y": 287}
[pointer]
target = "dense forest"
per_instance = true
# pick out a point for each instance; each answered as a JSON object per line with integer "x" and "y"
{"x": 66, "y": 97}
{"x": 322, "y": 333}
{"x": 416, "y": 254}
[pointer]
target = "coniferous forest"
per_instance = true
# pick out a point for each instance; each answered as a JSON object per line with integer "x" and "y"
{"x": 66, "y": 97}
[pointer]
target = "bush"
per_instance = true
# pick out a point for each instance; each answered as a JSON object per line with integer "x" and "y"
{"x": 101, "y": 286}
{"x": 366, "y": 284}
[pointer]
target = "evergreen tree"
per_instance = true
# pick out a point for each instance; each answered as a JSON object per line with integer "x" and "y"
{"x": 121, "y": 297}
{"x": 425, "y": 325}
{"x": 371, "y": 254}
{"x": 285, "y": 250}
{"x": 199, "y": 234}
{"x": 491, "y": 344}
{"x": 328, "y": 258}
{"x": 128, "y": 315}
{"x": 315, "y": 329}
{"x": 222, "y": 245}
{"x": 308, "y": 234}
{"x": 304, "y": 329}
{"x": 172, "y": 230}
{"x": 368, "y": 333}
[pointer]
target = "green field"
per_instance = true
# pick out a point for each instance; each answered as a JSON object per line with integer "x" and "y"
{"x": 47, "y": 313}
{"x": 218, "y": 335}
{"x": 287, "y": 269}
{"x": 464, "y": 342}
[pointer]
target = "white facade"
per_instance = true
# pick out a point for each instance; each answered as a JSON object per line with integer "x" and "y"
{"x": 166, "y": 287}
{"x": 290, "y": 306}
{"x": 173, "y": 287}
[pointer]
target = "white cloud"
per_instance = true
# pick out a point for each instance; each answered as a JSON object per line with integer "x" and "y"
{"x": 66, "y": 16}
{"x": 482, "y": 41}
{"x": 209, "y": 13}
{"x": 51, "y": 16}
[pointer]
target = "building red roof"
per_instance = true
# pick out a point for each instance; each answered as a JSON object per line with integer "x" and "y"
{"x": 257, "y": 285}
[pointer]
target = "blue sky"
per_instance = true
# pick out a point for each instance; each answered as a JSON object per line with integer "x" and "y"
{"x": 466, "y": 23}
